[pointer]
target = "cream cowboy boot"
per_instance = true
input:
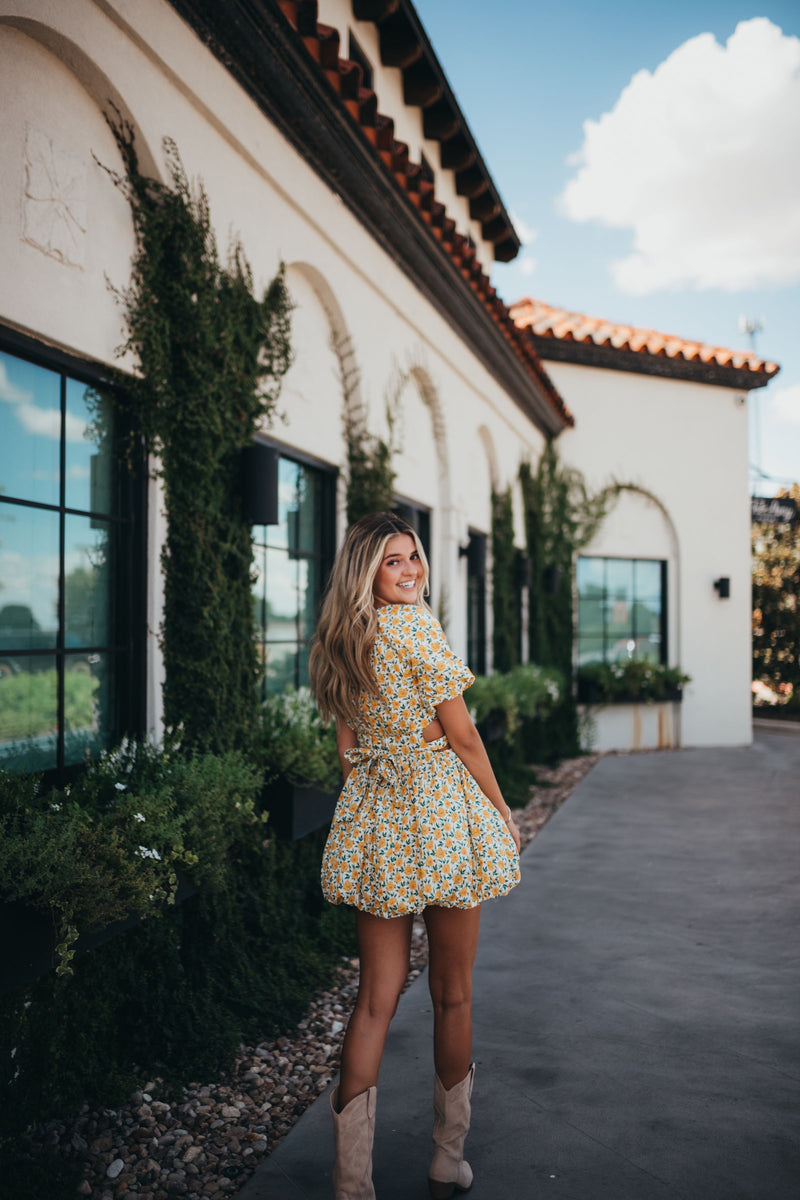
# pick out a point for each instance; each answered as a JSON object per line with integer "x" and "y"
{"x": 451, "y": 1108}
{"x": 353, "y": 1131}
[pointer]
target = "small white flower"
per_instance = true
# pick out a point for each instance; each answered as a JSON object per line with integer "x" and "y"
{"x": 143, "y": 852}
{"x": 55, "y": 807}
{"x": 120, "y": 786}
{"x": 139, "y": 817}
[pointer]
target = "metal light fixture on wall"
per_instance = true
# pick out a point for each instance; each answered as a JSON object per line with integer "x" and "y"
{"x": 260, "y": 484}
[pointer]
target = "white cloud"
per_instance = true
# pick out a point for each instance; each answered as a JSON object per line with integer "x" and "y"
{"x": 701, "y": 160}
{"x": 527, "y": 264}
{"x": 784, "y": 404}
{"x": 41, "y": 422}
{"x": 9, "y": 391}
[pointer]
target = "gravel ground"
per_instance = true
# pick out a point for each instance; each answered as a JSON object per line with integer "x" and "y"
{"x": 205, "y": 1144}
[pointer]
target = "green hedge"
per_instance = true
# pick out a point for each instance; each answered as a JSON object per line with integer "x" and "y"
{"x": 174, "y": 996}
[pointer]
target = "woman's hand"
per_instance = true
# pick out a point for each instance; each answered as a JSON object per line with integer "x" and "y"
{"x": 465, "y": 740}
{"x": 511, "y": 825}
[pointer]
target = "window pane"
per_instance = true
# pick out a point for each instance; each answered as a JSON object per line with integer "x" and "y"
{"x": 591, "y": 576}
{"x": 29, "y": 574}
{"x": 590, "y": 649}
{"x": 88, "y": 450}
{"x": 87, "y": 582}
{"x": 648, "y": 581}
{"x": 259, "y": 590}
{"x": 590, "y": 617}
{"x": 30, "y": 431}
{"x": 308, "y": 507}
{"x": 281, "y": 596}
{"x": 279, "y": 535}
{"x": 305, "y": 600}
{"x": 28, "y": 715}
{"x": 89, "y": 719}
{"x": 302, "y": 665}
{"x": 310, "y": 593}
{"x": 619, "y": 608}
{"x": 281, "y": 666}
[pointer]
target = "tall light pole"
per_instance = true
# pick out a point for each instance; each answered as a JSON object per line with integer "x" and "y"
{"x": 752, "y": 326}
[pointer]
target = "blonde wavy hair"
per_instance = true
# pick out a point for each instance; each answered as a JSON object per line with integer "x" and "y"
{"x": 340, "y": 665}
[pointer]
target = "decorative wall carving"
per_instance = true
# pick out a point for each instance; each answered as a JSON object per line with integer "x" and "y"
{"x": 54, "y": 199}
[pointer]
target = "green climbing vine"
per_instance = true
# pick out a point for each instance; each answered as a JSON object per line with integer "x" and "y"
{"x": 370, "y": 471}
{"x": 561, "y": 516}
{"x": 210, "y": 359}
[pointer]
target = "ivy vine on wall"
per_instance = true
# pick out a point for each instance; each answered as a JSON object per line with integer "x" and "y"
{"x": 370, "y": 470}
{"x": 210, "y": 359}
{"x": 561, "y": 517}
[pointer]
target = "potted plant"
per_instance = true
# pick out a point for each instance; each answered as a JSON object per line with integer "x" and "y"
{"x": 634, "y": 681}
{"x": 302, "y": 772}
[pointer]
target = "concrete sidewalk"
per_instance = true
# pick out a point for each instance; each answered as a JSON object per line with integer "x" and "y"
{"x": 637, "y": 1003}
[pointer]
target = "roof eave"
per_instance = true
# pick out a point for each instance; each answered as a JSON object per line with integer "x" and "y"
{"x": 263, "y": 53}
{"x": 587, "y": 354}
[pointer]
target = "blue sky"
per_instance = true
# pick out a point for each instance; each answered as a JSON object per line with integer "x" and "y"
{"x": 678, "y": 207}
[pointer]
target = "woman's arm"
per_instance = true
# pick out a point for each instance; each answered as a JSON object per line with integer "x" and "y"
{"x": 465, "y": 740}
{"x": 345, "y": 740}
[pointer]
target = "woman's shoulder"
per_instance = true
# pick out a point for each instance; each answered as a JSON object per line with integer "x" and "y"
{"x": 406, "y": 618}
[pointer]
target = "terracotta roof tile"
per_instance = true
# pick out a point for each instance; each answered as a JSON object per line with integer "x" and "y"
{"x": 344, "y": 76}
{"x": 546, "y": 321}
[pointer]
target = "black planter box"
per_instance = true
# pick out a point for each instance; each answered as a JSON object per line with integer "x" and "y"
{"x": 591, "y": 693}
{"x": 28, "y": 941}
{"x": 295, "y": 811}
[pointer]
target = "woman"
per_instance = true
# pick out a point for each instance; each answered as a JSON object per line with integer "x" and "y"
{"x": 420, "y": 827}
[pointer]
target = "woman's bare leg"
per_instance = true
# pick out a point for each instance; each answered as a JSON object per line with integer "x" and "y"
{"x": 384, "y": 946}
{"x": 452, "y": 943}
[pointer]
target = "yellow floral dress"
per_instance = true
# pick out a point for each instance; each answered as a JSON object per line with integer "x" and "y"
{"x": 411, "y": 826}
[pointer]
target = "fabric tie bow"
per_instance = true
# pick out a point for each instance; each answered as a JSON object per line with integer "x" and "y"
{"x": 383, "y": 760}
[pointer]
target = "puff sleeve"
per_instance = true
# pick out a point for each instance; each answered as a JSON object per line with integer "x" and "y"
{"x": 439, "y": 673}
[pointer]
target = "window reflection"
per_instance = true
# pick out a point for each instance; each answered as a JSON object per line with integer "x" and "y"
{"x": 30, "y": 418}
{"x": 58, "y": 662}
{"x": 28, "y": 714}
{"x": 291, "y": 561}
{"x": 87, "y": 582}
{"x": 29, "y": 569}
{"x": 621, "y": 610}
{"x": 87, "y": 451}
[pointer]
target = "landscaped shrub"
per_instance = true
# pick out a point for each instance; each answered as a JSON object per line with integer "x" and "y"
{"x": 506, "y": 707}
{"x": 176, "y": 994}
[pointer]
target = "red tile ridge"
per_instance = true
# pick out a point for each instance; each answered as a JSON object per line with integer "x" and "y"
{"x": 546, "y": 320}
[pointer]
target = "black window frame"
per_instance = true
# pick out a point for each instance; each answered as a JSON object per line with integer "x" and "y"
{"x": 327, "y": 544}
{"x": 128, "y": 602}
{"x": 663, "y": 658}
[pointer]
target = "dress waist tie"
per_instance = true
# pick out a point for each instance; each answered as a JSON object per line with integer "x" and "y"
{"x": 385, "y": 760}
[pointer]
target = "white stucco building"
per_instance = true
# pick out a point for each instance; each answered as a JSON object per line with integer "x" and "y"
{"x": 327, "y": 138}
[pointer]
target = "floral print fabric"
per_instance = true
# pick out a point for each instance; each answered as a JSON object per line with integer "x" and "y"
{"x": 411, "y": 826}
